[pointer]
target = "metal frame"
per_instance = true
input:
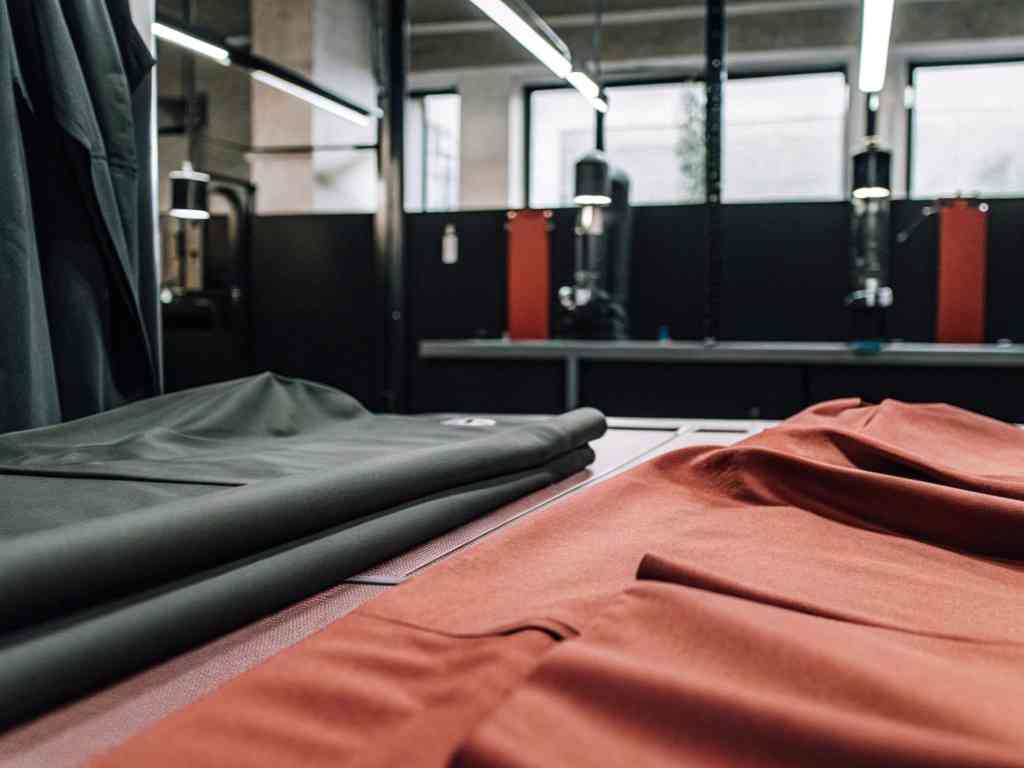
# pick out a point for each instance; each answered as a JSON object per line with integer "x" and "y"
{"x": 714, "y": 85}
{"x": 389, "y": 220}
{"x": 241, "y": 57}
{"x": 915, "y": 64}
{"x": 421, "y": 95}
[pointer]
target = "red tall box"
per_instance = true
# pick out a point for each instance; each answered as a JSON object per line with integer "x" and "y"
{"x": 963, "y": 256}
{"x": 529, "y": 275}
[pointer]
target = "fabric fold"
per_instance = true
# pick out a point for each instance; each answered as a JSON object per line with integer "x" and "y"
{"x": 113, "y": 584}
{"x": 82, "y": 146}
{"x": 835, "y": 604}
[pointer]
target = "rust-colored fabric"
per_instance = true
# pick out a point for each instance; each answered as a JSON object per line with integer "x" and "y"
{"x": 323, "y": 702}
{"x": 845, "y": 589}
{"x": 671, "y": 675}
{"x": 529, "y": 276}
{"x": 963, "y": 262}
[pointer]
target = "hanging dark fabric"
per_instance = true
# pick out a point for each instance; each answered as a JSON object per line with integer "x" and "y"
{"x": 88, "y": 171}
{"x": 28, "y": 383}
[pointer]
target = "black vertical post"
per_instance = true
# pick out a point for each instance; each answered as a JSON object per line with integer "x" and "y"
{"x": 714, "y": 81}
{"x": 871, "y": 123}
{"x": 599, "y": 126}
{"x": 389, "y": 221}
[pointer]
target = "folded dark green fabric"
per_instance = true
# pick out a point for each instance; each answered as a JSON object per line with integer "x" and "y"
{"x": 132, "y": 535}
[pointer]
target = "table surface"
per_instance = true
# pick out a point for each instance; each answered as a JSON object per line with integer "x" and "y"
{"x": 73, "y": 734}
{"x": 752, "y": 352}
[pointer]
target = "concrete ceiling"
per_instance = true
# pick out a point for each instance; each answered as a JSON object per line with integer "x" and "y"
{"x": 453, "y": 34}
{"x": 439, "y": 11}
{"x": 223, "y": 18}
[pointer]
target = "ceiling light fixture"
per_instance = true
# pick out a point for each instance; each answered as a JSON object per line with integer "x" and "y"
{"x": 193, "y": 43}
{"x": 189, "y": 194}
{"x": 875, "y": 32}
{"x": 590, "y": 90}
{"x": 871, "y": 193}
{"x": 872, "y": 173}
{"x": 526, "y": 35}
{"x": 311, "y": 97}
{"x": 271, "y": 74}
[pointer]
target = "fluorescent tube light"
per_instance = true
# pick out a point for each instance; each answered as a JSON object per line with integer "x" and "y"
{"x": 194, "y": 44}
{"x": 592, "y": 200}
{"x": 871, "y": 193}
{"x": 321, "y": 102}
{"x": 525, "y": 35}
{"x": 590, "y": 90}
{"x": 875, "y": 30}
{"x": 191, "y": 214}
{"x": 584, "y": 85}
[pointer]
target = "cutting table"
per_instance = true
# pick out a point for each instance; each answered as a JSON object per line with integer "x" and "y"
{"x": 70, "y": 736}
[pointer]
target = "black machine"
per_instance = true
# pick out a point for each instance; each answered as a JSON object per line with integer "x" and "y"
{"x": 596, "y": 305}
{"x": 870, "y": 294}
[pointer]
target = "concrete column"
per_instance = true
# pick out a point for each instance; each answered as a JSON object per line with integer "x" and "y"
{"x": 485, "y": 155}
{"x": 343, "y": 48}
{"x": 282, "y": 30}
{"x": 331, "y": 42}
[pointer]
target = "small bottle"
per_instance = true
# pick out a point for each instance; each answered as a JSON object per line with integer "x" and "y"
{"x": 449, "y": 245}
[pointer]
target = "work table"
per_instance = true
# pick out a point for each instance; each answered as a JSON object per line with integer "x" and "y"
{"x": 775, "y": 352}
{"x": 660, "y": 378}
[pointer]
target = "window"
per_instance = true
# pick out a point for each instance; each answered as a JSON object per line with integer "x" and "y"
{"x": 967, "y": 128}
{"x": 784, "y": 139}
{"x": 655, "y": 133}
{"x": 650, "y": 128}
{"x": 432, "y": 152}
{"x": 561, "y": 128}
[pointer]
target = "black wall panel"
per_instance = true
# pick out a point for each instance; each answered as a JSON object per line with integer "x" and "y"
{"x": 489, "y": 386}
{"x": 786, "y": 268}
{"x": 786, "y": 272}
{"x": 695, "y": 391}
{"x": 461, "y": 300}
{"x": 669, "y": 271}
{"x": 915, "y": 267}
{"x": 1005, "y": 318}
{"x": 785, "y": 278}
{"x": 914, "y": 273}
{"x": 468, "y": 299}
{"x": 313, "y": 299}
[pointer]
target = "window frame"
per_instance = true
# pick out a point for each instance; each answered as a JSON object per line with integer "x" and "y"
{"x": 678, "y": 79}
{"x": 421, "y": 94}
{"x": 915, "y": 64}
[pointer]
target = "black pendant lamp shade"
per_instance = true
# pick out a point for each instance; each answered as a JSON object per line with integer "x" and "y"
{"x": 593, "y": 180}
{"x": 872, "y": 173}
{"x": 189, "y": 194}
